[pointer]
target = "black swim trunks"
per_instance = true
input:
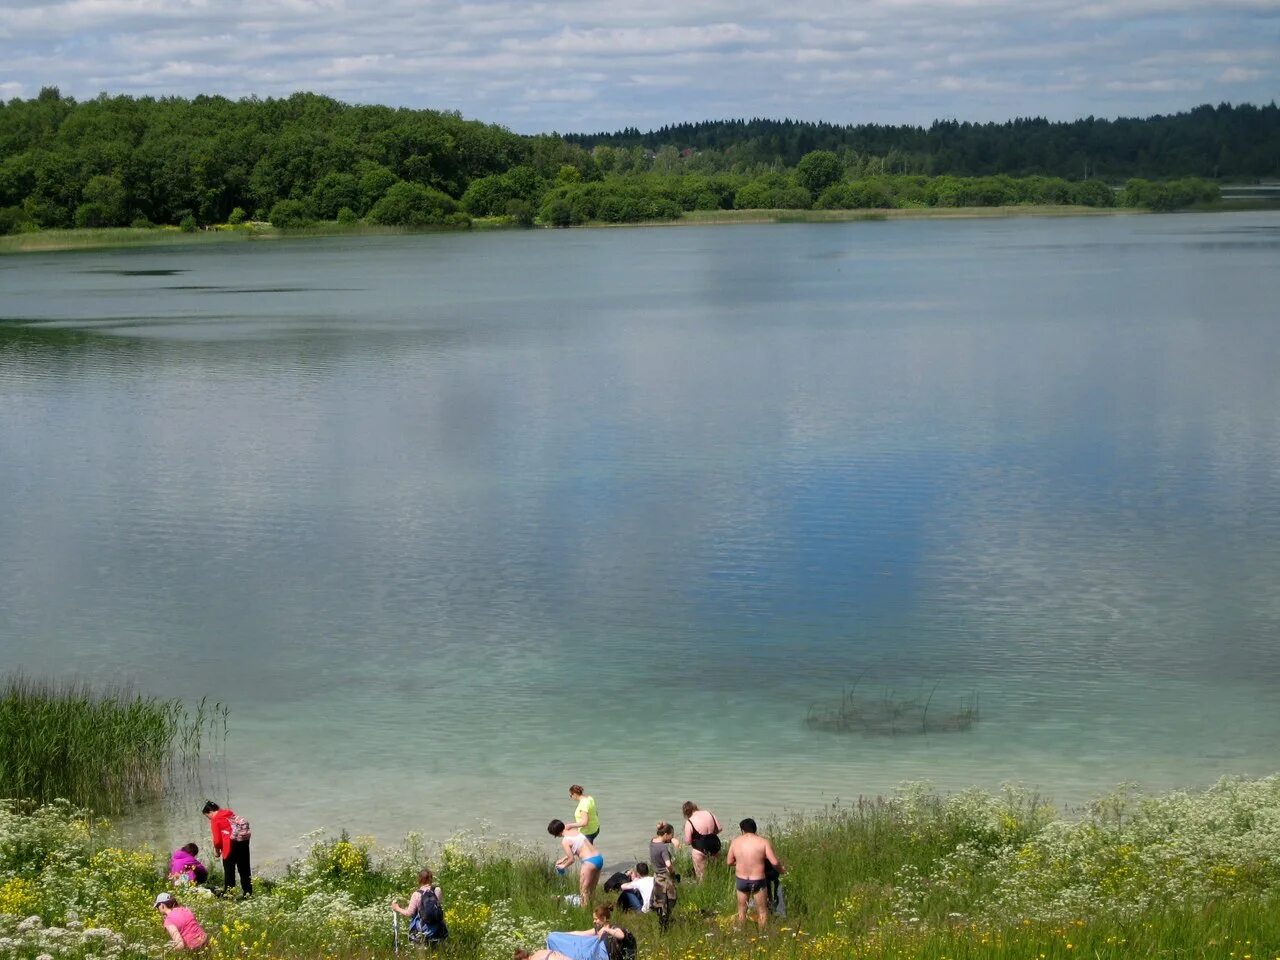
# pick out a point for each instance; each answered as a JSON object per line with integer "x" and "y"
{"x": 750, "y": 886}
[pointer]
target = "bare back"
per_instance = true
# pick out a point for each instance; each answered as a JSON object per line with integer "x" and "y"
{"x": 749, "y": 853}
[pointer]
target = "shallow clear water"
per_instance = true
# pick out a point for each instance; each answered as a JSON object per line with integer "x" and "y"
{"x": 451, "y": 522}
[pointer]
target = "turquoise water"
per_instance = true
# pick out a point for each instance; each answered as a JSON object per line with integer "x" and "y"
{"x": 453, "y": 521}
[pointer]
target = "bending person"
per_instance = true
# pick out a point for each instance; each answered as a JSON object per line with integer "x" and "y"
{"x": 185, "y": 932}
{"x": 231, "y": 842}
{"x": 578, "y": 847}
{"x": 184, "y": 868}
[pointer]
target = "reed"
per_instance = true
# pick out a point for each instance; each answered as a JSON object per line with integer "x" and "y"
{"x": 893, "y": 714}
{"x": 101, "y": 749}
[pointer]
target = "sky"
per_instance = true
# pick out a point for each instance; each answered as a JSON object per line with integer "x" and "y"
{"x": 590, "y": 65}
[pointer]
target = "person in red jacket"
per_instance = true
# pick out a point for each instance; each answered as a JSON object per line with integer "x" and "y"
{"x": 231, "y": 842}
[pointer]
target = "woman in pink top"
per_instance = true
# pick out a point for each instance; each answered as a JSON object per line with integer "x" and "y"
{"x": 183, "y": 929}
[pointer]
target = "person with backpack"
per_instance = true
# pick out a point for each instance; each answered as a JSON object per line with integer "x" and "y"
{"x": 701, "y": 833}
{"x": 231, "y": 835}
{"x": 425, "y": 912}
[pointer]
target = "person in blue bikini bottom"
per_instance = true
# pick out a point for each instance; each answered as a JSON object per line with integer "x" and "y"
{"x": 578, "y": 847}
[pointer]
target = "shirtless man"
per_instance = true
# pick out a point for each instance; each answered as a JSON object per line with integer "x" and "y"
{"x": 748, "y": 855}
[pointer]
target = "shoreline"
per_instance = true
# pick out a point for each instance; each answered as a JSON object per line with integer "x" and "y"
{"x": 105, "y": 238}
{"x": 976, "y": 875}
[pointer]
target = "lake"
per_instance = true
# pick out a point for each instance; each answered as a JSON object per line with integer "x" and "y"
{"x": 452, "y": 521}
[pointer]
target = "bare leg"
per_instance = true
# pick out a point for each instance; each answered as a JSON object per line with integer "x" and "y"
{"x": 699, "y": 863}
{"x": 588, "y": 876}
{"x": 742, "y": 909}
{"x": 762, "y": 907}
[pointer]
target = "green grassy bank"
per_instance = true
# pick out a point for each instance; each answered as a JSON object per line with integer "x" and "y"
{"x": 47, "y": 241}
{"x": 102, "y": 238}
{"x": 973, "y": 875}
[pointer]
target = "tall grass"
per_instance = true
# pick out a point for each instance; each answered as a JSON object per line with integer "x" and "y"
{"x": 972, "y": 875}
{"x": 105, "y": 750}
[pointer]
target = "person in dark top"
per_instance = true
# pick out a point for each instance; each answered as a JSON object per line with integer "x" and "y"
{"x": 662, "y": 858}
{"x": 701, "y": 833}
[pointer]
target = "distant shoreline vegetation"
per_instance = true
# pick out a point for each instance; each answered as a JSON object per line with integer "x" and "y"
{"x": 114, "y": 162}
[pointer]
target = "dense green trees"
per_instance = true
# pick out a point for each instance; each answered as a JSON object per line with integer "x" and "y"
{"x": 918, "y": 191}
{"x": 113, "y": 159}
{"x": 118, "y": 160}
{"x": 818, "y": 170}
{"x": 492, "y": 195}
{"x": 1171, "y": 195}
{"x": 1208, "y": 141}
{"x": 413, "y": 205}
{"x": 773, "y": 191}
{"x": 613, "y": 200}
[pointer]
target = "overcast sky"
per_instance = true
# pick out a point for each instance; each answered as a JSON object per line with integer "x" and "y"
{"x": 583, "y": 65}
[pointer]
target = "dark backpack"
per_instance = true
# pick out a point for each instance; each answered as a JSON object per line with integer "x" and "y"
{"x": 615, "y": 882}
{"x": 624, "y": 949}
{"x": 430, "y": 912}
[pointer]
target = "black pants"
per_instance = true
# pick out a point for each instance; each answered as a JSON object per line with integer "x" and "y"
{"x": 239, "y": 859}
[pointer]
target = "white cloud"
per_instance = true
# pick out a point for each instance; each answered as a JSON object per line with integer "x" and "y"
{"x": 1239, "y": 75}
{"x": 575, "y": 64}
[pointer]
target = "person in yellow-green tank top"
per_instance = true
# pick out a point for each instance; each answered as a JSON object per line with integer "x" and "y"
{"x": 585, "y": 817}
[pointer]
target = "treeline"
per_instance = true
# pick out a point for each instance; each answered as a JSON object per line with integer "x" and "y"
{"x": 1226, "y": 141}
{"x": 619, "y": 199}
{"x": 115, "y": 161}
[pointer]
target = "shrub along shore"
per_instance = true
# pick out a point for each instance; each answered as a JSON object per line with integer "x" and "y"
{"x": 50, "y": 241}
{"x": 975, "y": 874}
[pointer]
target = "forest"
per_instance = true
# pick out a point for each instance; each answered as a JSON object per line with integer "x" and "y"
{"x": 1225, "y": 141}
{"x": 118, "y": 160}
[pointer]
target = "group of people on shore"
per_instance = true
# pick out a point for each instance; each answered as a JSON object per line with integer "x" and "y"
{"x": 230, "y": 834}
{"x": 647, "y": 887}
{"x": 756, "y": 865}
